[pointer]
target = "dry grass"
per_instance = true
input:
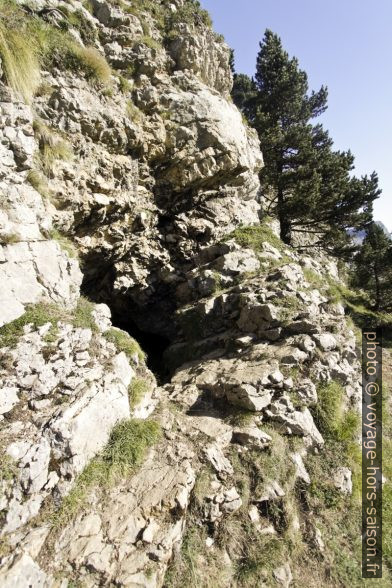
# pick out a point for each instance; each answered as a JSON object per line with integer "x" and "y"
{"x": 91, "y": 62}
{"x": 27, "y": 44}
{"x": 20, "y": 59}
{"x": 52, "y": 146}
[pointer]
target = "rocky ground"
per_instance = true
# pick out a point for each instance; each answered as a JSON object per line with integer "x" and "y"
{"x": 130, "y": 200}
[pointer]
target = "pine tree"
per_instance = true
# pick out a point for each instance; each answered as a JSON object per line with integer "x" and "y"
{"x": 307, "y": 184}
{"x": 373, "y": 268}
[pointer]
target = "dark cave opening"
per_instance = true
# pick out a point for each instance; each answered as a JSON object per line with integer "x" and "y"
{"x": 153, "y": 345}
{"x": 97, "y": 286}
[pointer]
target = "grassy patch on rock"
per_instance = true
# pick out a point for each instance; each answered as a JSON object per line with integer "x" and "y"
{"x": 124, "y": 452}
{"x": 254, "y": 237}
{"x": 125, "y": 343}
{"x": 28, "y": 43}
{"x": 36, "y": 315}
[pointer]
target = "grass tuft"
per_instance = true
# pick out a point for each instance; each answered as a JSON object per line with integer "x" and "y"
{"x": 83, "y": 317}
{"x": 138, "y": 388}
{"x": 125, "y": 343}
{"x": 133, "y": 112}
{"x": 19, "y": 52}
{"x": 124, "y": 452}
{"x": 254, "y": 237}
{"x": 51, "y": 146}
{"x": 38, "y": 182}
{"x": 90, "y": 62}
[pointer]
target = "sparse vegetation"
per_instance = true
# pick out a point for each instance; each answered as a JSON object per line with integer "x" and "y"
{"x": 133, "y": 112}
{"x": 83, "y": 317}
{"x": 42, "y": 313}
{"x": 124, "y": 85}
{"x": 150, "y": 42}
{"x": 27, "y": 43}
{"x": 18, "y": 51}
{"x": 64, "y": 242}
{"x": 289, "y": 306}
{"x": 37, "y": 180}
{"x": 125, "y": 343}
{"x": 138, "y": 388}
{"x": 37, "y": 315}
{"x": 8, "y": 467}
{"x": 124, "y": 452}
{"x": 9, "y": 238}
{"x": 255, "y": 236}
{"x": 89, "y": 61}
{"x": 52, "y": 146}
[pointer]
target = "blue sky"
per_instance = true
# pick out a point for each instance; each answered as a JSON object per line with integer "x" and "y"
{"x": 344, "y": 44}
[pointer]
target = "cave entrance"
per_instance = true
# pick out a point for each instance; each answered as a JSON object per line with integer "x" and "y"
{"x": 153, "y": 345}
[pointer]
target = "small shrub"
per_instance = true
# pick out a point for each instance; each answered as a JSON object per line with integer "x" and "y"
{"x": 125, "y": 343}
{"x": 190, "y": 13}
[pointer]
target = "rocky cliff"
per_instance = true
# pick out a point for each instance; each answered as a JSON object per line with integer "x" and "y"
{"x": 131, "y": 209}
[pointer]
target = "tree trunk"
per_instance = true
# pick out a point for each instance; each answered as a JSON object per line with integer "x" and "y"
{"x": 285, "y": 224}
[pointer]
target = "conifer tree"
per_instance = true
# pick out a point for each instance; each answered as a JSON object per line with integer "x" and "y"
{"x": 373, "y": 268}
{"x": 307, "y": 184}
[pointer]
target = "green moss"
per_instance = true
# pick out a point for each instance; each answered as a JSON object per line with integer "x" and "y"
{"x": 124, "y": 452}
{"x": 64, "y": 242}
{"x": 125, "y": 343}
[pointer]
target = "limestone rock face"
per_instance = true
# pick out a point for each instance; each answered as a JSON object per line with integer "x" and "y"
{"x": 24, "y": 221}
{"x": 157, "y": 190}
